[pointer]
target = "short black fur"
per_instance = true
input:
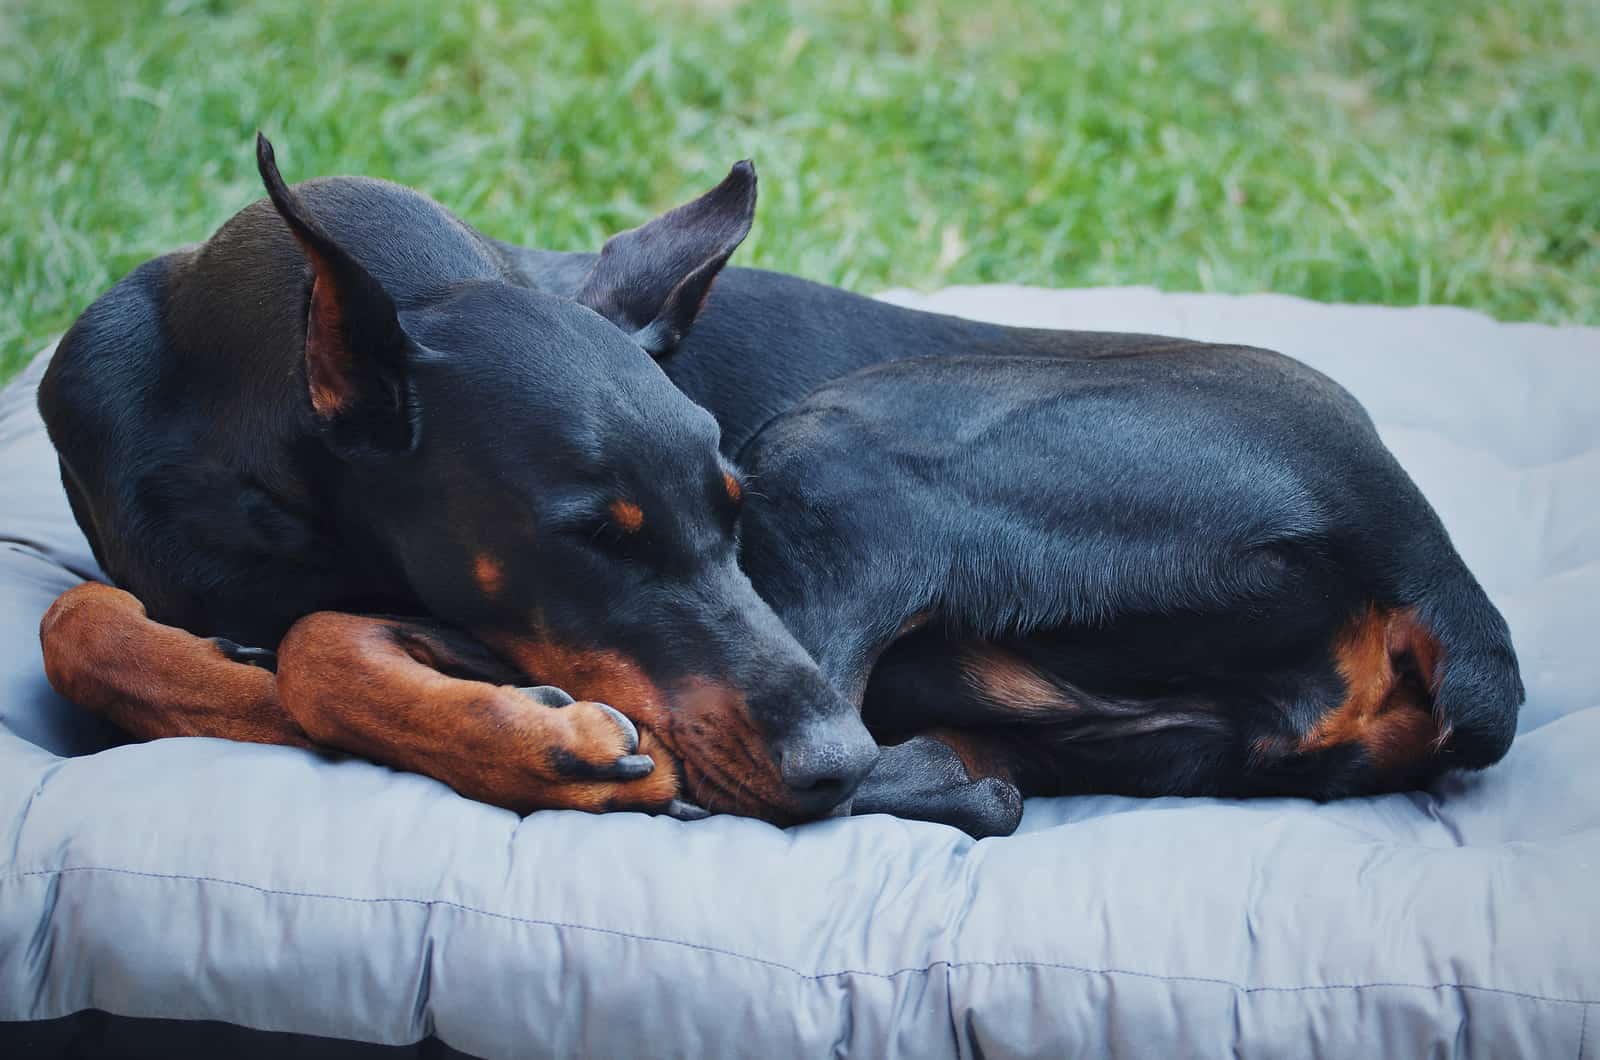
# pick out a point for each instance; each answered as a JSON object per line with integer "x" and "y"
{"x": 1167, "y": 538}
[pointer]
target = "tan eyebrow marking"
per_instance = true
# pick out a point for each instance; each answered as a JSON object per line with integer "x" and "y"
{"x": 628, "y": 516}
{"x": 488, "y": 573}
{"x": 731, "y": 484}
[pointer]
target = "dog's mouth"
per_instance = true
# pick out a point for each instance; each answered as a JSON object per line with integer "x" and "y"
{"x": 723, "y": 763}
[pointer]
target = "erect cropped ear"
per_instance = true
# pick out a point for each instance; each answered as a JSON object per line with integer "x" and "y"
{"x": 650, "y": 281}
{"x": 355, "y": 356}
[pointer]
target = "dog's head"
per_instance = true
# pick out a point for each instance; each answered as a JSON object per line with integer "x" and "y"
{"x": 538, "y": 480}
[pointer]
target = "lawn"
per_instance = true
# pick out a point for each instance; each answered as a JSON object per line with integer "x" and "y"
{"x": 1397, "y": 151}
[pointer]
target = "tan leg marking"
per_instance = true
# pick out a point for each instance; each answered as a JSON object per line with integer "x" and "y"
{"x": 1388, "y": 715}
{"x": 104, "y": 653}
{"x": 352, "y": 683}
{"x": 1010, "y": 683}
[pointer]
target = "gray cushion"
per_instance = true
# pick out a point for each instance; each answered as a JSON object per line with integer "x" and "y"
{"x": 283, "y": 890}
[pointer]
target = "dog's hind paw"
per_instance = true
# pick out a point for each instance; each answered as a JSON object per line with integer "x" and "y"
{"x": 924, "y": 779}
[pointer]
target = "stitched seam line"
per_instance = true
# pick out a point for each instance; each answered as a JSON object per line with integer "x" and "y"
{"x": 916, "y": 970}
{"x": 1583, "y": 1031}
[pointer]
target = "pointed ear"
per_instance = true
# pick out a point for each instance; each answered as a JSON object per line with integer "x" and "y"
{"x": 651, "y": 281}
{"x": 355, "y": 355}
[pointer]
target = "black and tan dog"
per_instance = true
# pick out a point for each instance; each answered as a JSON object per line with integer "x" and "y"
{"x": 1030, "y": 561}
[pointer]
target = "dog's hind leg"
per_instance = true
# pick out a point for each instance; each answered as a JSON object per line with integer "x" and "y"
{"x": 104, "y": 653}
{"x": 421, "y": 697}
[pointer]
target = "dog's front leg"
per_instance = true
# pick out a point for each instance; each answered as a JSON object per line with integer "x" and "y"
{"x": 103, "y": 652}
{"x": 393, "y": 691}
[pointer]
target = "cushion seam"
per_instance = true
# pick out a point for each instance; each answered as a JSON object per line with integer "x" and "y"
{"x": 917, "y": 970}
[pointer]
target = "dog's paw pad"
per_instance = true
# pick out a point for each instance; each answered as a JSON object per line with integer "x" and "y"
{"x": 987, "y": 807}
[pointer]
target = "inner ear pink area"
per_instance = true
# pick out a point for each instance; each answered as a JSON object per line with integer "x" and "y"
{"x": 327, "y": 359}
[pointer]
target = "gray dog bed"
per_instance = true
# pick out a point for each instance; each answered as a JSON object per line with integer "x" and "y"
{"x": 280, "y": 890}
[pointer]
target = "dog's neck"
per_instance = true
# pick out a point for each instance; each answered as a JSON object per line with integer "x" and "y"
{"x": 766, "y": 339}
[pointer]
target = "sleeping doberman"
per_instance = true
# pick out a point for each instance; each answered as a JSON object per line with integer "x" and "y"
{"x": 796, "y": 551}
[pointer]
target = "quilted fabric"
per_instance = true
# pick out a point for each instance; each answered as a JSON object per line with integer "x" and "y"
{"x": 281, "y": 890}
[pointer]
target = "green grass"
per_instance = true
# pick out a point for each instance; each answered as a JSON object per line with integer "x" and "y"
{"x": 1397, "y": 151}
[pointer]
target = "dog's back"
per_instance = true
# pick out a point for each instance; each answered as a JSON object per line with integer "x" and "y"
{"x": 1188, "y": 570}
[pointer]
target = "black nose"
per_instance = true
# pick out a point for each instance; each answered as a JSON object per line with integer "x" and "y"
{"x": 823, "y": 765}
